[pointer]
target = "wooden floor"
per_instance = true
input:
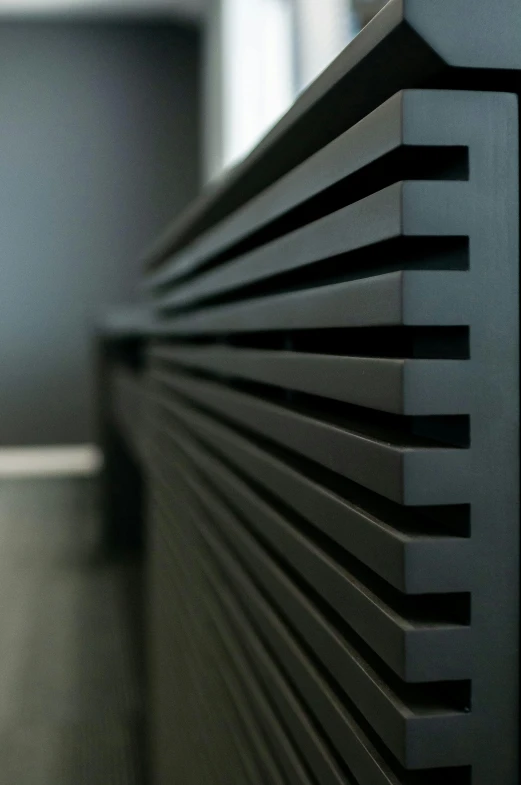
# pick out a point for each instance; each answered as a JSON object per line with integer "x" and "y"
{"x": 70, "y": 704}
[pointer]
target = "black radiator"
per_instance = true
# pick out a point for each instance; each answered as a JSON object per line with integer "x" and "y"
{"x": 328, "y": 423}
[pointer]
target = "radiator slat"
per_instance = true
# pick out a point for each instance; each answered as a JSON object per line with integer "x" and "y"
{"x": 398, "y": 386}
{"x": 395, "y": 543}
{"x": 373, "y": 461}
{"x": 376, "y": 135}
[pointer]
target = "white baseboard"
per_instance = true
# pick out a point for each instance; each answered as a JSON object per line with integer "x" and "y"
{"x": 52, "y": 461}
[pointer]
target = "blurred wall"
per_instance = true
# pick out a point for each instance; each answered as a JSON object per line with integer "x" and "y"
{"x": 99, "y": 148}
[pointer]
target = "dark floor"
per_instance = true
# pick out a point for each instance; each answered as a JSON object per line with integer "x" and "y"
{"x": 70, "y": 702}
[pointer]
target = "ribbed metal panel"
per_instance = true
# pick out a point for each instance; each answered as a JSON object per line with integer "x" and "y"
{"x": 329, "y": 425}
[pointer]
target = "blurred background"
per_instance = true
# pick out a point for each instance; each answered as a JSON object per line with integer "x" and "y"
{"x": 114, "y": 114}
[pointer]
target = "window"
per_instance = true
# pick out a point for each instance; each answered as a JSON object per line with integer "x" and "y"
{"x": 259, "y": 55}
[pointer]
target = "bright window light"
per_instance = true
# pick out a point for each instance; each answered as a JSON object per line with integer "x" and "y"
{"x": 259, "y": 55}
{"x": 258, "y": 80}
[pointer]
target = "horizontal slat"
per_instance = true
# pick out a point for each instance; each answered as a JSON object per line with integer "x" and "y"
{"x": 371, "y": 138}
{"x": 415, "y": 650}
{"x": 404, "y": 209}
{"x": 409, "y": 297}
{"x": 372, "y": 220}
{"x": 413, "y": 563}
{"x": 409, "y": 472}
{"x": 398, "y": 386}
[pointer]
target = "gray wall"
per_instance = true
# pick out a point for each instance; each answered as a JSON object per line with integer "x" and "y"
{"x": 99, "y": 147}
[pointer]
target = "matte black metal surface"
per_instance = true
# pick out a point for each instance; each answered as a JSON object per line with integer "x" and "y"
{"x": 398, "y": 386}
{"x": 329, "y": 421}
